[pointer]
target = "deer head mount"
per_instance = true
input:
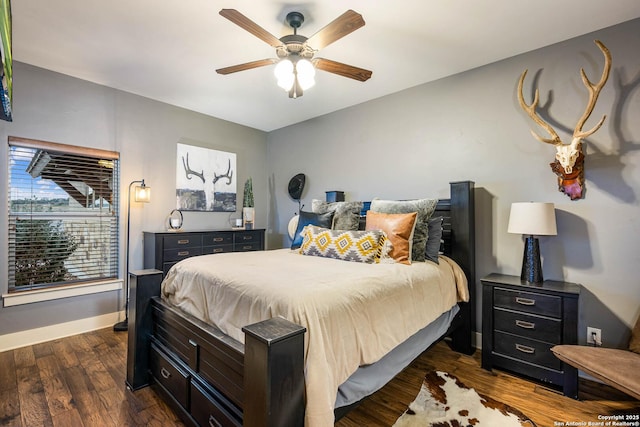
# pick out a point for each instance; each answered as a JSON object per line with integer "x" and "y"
{"x": 569, "y": 162}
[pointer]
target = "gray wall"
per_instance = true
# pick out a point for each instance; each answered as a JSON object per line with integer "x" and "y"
{"x": 57, "y": 108}
{"x": 470, "y": 126}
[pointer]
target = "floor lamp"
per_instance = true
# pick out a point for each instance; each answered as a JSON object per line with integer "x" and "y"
{"x": 532, "y": 219}
{"x": 142, "y": 194}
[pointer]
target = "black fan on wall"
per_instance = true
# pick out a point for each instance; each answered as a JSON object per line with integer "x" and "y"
{"x": 295, "y": 52}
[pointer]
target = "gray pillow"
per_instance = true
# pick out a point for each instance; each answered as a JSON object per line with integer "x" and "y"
{"x": 424, "y": 207}
{"x": 434, "y": 239}
{"x": 346, "y": 214}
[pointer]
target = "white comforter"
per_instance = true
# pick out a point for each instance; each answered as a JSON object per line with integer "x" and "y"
{"x": 354, "y": 313}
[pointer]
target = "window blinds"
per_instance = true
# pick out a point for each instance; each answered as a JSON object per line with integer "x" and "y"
{"x": 63, "y": 214}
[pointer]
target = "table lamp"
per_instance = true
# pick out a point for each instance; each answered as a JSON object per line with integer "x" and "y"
{"x": 532, "y": 219}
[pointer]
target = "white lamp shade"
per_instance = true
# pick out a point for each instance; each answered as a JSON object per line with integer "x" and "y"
{"x": 306, "y": 74}
{"x": 533, "y": 218}
{"x": 284, "y": 74}
{"x": 142, "y": 194}
{"x": 293, "y": 226}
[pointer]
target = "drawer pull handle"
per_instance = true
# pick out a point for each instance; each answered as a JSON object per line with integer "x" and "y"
{"x": 183, "y": 253}
{"x": 525, "y": 349}
{"x": 525, "y": 301}
{"x": 213, "y": 422}
{"x": 525, "y": 325}
{"x": 193, "y": 343}
{"x": 247, "y": 237}
{"x": 218, "y": 239}
{"x": 183, "y": 241}
{"x": 246, "y": 247}
{"x": 165, "y": 374}
{"x": 217, "y": 250}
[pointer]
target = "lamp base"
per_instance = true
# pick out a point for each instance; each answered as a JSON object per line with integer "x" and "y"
{"x": 121, "y": 326}
{"x": 531, "y": 265}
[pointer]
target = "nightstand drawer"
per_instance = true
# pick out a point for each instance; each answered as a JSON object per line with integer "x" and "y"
{"x": 547, "y": 305}
{"x": 170, "y": 376}
{"x": 528, "y": 350}
{"x": 528, "y": 325}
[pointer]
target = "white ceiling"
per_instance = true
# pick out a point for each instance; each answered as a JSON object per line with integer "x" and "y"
{"x": 169, "y": 50}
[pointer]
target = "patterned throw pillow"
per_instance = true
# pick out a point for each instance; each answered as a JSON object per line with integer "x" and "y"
{"x": 346, "y": 214}
{"x": 349, "y": 245}
{"x": 424, "y": 207}
{"x": 310, "y": 218}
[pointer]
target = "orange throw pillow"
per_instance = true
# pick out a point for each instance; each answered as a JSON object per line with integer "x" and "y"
{"x": 399, "y": 229}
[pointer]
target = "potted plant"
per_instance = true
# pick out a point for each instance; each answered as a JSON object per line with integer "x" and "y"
{"x": 248, "y": 209}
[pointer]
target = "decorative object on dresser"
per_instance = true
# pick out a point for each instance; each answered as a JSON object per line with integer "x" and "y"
{"x": 246, "y": 384}
{"x": 175, "y": 220}
{"x": 163, "y": 249}
{"x": 334, "y": 196}
{"x": 569, "y": 163}
{"x": 248, "y": 209}
{"x": 532, "y": 219}
{"x": 521, "y": 322}
{"x": 142, "y": 194}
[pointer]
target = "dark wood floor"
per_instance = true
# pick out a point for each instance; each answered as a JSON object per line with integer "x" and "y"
{"x": 79, "y": 381}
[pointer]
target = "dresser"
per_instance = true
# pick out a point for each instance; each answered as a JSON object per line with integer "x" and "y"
{"x": 163, "y": 249}
{"x": 521, "y": 322}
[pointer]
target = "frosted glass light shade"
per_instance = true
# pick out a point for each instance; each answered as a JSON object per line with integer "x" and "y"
{"x": 532, "y": 218}
{"x": 306, "y": 74}
{"x": 284, "y": 74}
{"x": 142, "y": 194}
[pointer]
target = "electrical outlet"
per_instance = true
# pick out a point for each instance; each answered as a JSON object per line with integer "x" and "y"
{"x": 597, "y": 340}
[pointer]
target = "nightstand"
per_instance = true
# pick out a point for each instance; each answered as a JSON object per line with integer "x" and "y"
{"x": 521, "y": 322}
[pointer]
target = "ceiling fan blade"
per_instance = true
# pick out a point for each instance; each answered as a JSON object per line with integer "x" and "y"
{"x": 345, "y": 24}
{"x": 246, "y": 66}
{"x": 343, "y": 70}
{"x": 247, "y": 24}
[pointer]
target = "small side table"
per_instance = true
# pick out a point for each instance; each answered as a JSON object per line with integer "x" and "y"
{"x": 521, "y": 322}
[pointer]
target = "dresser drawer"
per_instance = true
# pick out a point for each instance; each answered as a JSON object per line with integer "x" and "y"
{"x": 182, "y": 241}
{"x": 181, "y": 253}
{"x": 247, "y": 246}
{"x": 252, "y": 236}
{"x": 210, "y": 409}
{"x": 528, "y": 350}
{"x": 529, "y": 302}
{"x": 217, "y": 239}
{"x": 168, "y": 374}
{"x": 528, "y": 325}
{"x": 217, "y": 249}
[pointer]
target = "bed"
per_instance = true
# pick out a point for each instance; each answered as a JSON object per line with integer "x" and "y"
{"x": 280, "y": 360}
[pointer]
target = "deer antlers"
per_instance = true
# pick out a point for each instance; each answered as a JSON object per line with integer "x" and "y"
{"x": 594, "y": 91}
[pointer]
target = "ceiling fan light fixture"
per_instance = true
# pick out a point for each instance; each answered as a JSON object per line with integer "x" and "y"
{"x": 306, "y": 73}
{"x": 284, "y": 74}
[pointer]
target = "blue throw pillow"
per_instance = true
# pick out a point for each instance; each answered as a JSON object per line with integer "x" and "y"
{"x": 309, "y": 218}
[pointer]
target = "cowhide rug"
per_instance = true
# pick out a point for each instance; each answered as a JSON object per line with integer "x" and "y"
{"x": 444, "y": 401}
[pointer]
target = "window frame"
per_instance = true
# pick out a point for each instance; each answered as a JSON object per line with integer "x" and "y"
{"x": 110, "y": 218}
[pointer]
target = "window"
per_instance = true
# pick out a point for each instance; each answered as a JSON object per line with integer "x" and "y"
{"x": 63, "y": 214}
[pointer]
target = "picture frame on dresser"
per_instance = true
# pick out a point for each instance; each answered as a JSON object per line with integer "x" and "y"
{"x": 521, "y": 321}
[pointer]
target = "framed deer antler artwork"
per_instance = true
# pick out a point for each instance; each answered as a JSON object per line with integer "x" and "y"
{"x": 205, "y": 179}
{"x": 569, "y": 161}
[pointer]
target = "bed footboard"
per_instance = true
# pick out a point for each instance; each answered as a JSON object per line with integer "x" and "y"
{"x": 207, "y": 377}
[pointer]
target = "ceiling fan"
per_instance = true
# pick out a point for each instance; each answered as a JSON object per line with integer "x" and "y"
{"x": 295, "y": 53}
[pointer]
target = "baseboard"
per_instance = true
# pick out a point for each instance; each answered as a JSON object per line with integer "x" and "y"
{"x": 60, "y": 330}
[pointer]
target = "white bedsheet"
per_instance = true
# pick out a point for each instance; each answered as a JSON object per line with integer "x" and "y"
{"x": 354, "y": 313}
